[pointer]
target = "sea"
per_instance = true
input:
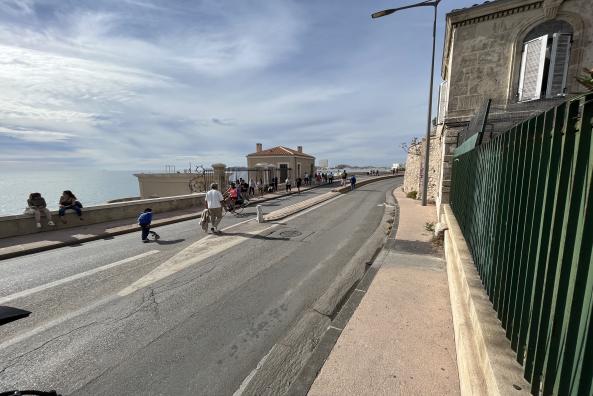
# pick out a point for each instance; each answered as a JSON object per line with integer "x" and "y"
{"x": 91, "y": 187}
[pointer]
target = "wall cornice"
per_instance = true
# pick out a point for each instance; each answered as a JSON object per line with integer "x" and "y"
{"x": 472, "y": 16}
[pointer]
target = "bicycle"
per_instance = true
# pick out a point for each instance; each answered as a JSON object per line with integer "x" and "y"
{"x": 236, "y": 208}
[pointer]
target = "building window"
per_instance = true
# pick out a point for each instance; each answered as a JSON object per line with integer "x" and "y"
{"x": 443, "y": 96}
{"x": 544, "y": 61}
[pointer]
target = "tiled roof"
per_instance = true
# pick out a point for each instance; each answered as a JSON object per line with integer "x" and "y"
{"x": 279, "y": 151}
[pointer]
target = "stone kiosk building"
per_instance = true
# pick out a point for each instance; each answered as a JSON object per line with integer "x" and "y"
{"x": 288, "y": 162}
{"x": 523, "y": 55}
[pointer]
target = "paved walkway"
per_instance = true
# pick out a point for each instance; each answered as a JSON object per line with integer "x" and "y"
{"x": 400, "y": 340}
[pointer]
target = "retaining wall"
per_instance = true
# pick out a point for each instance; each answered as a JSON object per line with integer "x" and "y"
{"x": 25, "y": 224}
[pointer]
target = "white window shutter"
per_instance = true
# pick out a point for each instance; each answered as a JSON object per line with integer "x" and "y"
{"x": 558, "y": 65}
{"x": 532, "y": 68}
{"x": 443, "y": 93}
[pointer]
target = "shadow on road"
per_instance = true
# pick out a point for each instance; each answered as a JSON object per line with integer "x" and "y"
{"x": 166, "y": 242}
{"x": 261, "y": 237}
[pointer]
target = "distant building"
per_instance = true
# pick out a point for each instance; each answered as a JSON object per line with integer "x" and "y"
{"x": 289, "y": 163}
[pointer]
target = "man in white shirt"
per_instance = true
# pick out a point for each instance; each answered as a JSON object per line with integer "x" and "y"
{"x": 214, "y": 201}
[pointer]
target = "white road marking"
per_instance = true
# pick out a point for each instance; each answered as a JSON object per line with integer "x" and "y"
{"x": 202, "y": 250}
{"x": 247, "y": 379}
{"x": 37, "y": 289}
{"x": 193, "y": 254}
{"x": 55, "y": 322}
{"x": 294, "y": 216}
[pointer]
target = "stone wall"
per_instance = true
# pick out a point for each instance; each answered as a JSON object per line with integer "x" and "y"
{"x": 154, "y": 185}
{"x": 415, "y": 165}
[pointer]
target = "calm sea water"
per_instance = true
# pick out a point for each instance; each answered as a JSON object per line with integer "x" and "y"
{"x": 90, "y": 187}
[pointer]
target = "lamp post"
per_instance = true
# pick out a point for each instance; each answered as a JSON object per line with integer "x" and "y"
{"x": 427, "y": 3}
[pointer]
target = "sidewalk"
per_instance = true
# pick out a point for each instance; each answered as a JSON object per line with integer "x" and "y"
{"x": 400, "y": 339}
{"x": 33, "y": 243}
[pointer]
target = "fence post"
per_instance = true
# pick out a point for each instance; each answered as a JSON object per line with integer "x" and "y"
{"x": 219, "y": 175}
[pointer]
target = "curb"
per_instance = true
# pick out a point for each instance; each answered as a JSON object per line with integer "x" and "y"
{"x": 277, "y": 371}
{"x": 485, "y": 361}
{"x": 127, "y": 230}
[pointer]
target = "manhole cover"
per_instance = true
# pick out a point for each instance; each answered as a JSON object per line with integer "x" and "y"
{"x": 290, "y": 234}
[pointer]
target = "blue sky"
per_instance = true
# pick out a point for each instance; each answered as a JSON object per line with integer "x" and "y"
{"x": 137, "y": 84}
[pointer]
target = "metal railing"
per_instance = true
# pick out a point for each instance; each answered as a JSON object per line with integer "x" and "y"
{"x": 524, "y": 201}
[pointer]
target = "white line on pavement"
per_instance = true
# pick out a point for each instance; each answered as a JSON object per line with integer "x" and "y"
{"x": 37, "y": 289}
{"x": 59, "y": 320}
{"x": 201, "y": 250}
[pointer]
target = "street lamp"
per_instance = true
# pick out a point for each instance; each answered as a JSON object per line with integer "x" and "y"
{"x": 427, "y": 3}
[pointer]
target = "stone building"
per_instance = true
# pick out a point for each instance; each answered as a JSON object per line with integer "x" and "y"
{"x": 523, "y": 55}
{"x": 288, "y": 162}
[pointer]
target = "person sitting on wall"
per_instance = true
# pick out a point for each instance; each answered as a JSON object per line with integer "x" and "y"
{"x": 37, "y": 204}
{"x": 69, "y": 201}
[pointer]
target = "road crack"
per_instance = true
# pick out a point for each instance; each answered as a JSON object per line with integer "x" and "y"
{"x": 17, "y": 359}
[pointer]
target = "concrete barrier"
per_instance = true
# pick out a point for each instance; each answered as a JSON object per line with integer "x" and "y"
{"x": 25, "y": 223}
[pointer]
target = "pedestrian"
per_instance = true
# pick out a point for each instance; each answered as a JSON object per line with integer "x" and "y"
{"x": 37, "y": 204}
{"x": 352, "y": 182}
{"x": 275, "y": 183}
{"x": 260, "y": 187}
{"x": 214, "y": 202}
{"x": 344, "y": 176}
{"x": 68, "y": 201}
{"x": 288, "y": 186}
{"x": 299, "y": 181}
{"x": 144, "y": 221}
{"x": 233, "y": 194}
{"x": 331, "y": 177}
{"x": 251, "y": 187}
{"x": 306, "y": 179}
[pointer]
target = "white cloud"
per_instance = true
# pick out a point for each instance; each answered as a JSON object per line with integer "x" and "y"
{"x": 129, "y": 81}
{"x": 35, "y": 135}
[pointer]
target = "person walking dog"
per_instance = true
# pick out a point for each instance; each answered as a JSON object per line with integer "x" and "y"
{"x": 144, "y": 221}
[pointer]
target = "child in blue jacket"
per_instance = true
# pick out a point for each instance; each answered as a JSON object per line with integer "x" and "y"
{"x": 144, "y": 221}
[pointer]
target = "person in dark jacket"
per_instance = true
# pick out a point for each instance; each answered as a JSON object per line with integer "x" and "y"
{"x": 144, "y": 221}
{"x": 352, "y": 182}
{"x": 69, "y": 201}
{"x": 37, "y": 203}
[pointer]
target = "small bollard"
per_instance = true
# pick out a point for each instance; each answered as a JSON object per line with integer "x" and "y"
{"x": 260, "y": 214}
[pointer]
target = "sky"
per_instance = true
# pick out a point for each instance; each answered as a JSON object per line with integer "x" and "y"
{"x": 140, "y": 84}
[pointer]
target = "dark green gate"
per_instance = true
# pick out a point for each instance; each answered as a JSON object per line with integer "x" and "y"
{"x": 524, "y": 202}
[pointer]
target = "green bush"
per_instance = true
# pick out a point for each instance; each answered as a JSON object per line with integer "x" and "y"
{"x": 412, "y": 194}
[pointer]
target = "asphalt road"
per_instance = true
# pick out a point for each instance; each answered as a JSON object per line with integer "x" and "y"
{"x": 189, "y": 315}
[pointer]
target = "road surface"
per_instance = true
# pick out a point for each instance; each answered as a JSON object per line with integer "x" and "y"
{"x": 191, "y": 314}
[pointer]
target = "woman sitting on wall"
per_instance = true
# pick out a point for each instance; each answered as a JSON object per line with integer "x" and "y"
{"x": 69, "y": 201}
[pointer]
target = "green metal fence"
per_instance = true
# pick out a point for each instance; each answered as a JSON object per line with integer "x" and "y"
{"x": 524, "y": 202}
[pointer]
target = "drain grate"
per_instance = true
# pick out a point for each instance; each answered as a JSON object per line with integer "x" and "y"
{"x": 291, "y": 233}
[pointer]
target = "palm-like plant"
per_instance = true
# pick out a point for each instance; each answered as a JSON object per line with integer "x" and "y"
{"x": 586, "y": 79}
